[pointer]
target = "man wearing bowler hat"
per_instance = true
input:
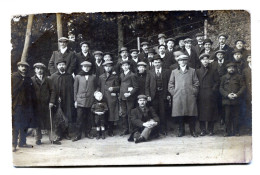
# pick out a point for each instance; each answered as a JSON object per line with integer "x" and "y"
{"x": 44, "y": 90}
{"x": 84, "y": 55}
{"x": 156, "y": 90}
{"x": 144, "y": 120}
{"x": 199, "y": 45}
{"x": 184, "y": 87}
{"x": 222, "y": 39}
{"x": 23, "y": 99}
{"x": 144, "y": 53}
{"x": 63, "y": 53}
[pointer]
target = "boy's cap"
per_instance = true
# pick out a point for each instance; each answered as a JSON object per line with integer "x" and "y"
{"x": 204, "y": 55}
{"x": 39, "y": 65}
{"x": 142, "y": 97}
{"x": 220, "y": 51}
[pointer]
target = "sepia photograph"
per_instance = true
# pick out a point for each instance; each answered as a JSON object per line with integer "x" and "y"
{"x": 131, "y": 88}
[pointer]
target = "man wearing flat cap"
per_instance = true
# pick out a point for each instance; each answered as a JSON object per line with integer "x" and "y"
{"x": 222, "y": 39}
{"x": 84, "y": 55}
{"x": 176, "y": 54}
{"x": 156, "y": 90}
{"x": 23, "y": 98}
{"x": 144, "y": 120}
{"x": 85, "y": 85}
{"x": 44, "y": 90}
{"x": 232, "y": 87}
{"x": 99, "y": 69}
{"x": 63, "y": 53}
{"x": 193, "y": 61}
{"x": 184, "y": 87}
{"x": 208, "y": 95}
{"x": 62, "y": 100}
{"x": 144, "y": 53}
{"x": 199, "y": 45}
{"x": 207, "y": 49}
{"x": 109, "y": 86}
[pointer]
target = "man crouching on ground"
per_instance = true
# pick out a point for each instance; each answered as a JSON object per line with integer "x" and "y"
{"x": 144, "y": 121}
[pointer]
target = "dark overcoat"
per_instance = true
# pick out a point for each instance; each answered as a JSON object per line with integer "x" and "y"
{"x": 84, "y": 90}
{"x": 208, "y": 93}
{"x": 63, "y": 89}
{"x": 232, "y": 83}
{"x": 112, "y": 101}
{"x": 80, "y": 58}
{"x": 184, "y": 87}
{"x": 23, "y": 100}
{"x": 143, "y": 56}
{"x": 43, "y": 91}
{"x": 228, "y": 52}
{"x": 222, "y": 70}
{"x": 141, "y": 79}
{"x": 198, "y": 49}
{"x": 150, "y": 84}
{"x": 119, "y": 70}
{"x": 167, "y": 61}
{"x": 248, "y": 80}
{"x": 68, "y": 56}
{"x": 126, "y": 81}
{"x": 193, "y": 61}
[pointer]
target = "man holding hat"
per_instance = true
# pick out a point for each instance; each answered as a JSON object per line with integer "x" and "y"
{"x": 23, "y": 98}
{"x": 184, "y": 87}
{"x": 144, "y": 53}
{"x": 144, "y": 120}
{"x": 85, "y": 85}
{"x": 208, "y": 95}
{"x": 193, "y": 60}
{"x": 156, "y": 90}
{"x": 44, "y": 90}
{"x": 127, "y": 94}
{"x": 222, "y": 38}
{"x": 63, "y": 99}
{"x": 84, "y": 55}
{"x": 63, "y": 53}
{"x": 232, "y": 87}
{"x": 109, "y": 86}
{"x": 199, "y": 46}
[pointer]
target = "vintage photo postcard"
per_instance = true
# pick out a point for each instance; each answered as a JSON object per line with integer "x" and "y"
{"x": 131, "y": 88}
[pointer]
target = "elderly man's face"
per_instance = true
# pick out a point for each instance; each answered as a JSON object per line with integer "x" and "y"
{"x": 220, "y": 56}
{"x": 150, "y": 56}
{"x": 63, "y": 44}
{"x": 199, "y": 38}
{"x": 182, "y": 63}
{"x": 84, "y": 48}
{"x": 38, "y": 70}
{"x": 161, "y": 40}
{"x": 61, "y": 67}
{"x": 170, "y": 44}
{"x": 124, "y": 54}
{"x": 222, "y": 40}
{"x": 23, "y": 68}
{"x": 161, "y": 50}
{"x": 134, "y": 54}
{"x": 207, "y": 46}
{"x": 145, "y": 48}
{"x": 239, "y": 45}
{"x": 142, "y": 102}
{"x": 141, "y": 69}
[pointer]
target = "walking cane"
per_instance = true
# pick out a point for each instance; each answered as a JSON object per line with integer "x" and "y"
{"x": 51, "y": 125}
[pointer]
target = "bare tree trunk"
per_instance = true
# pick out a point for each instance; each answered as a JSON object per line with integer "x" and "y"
{"x": 138, "y": 44}
{"x": 205, "y": 28}
{"x": 27, "y": 38}
{"x": 120, "y": 33}
{"x": 59, "y": 25}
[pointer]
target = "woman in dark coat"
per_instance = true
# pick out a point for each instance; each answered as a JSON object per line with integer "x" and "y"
{"x": 109, "y": 87}
{"x": 207, "y": 98}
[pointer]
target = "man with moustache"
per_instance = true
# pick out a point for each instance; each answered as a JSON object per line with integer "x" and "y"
{"x": 63, "y": 53}
{"x": 23, "y": 99}
{"x": 199, "y": 46}
{"x": 151, "y": 53}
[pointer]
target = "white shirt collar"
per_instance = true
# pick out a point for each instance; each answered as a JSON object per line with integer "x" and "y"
{"x": 85, "y": 54}
{"x": 162, "y": 56}
{"x": 124, "y": 59}
{"x": 62, "y": 72}
{"x": 99, "y": 64}
{"x": 188, "y": 50}
{"x": 183, "y": 68}
{"x": 222, "y": 61}
{"x": 39, "y": 76}
{"x": 63, "y": 50}
{"x": 135, "y": 59}
{"x": 160, "y": 70}
{"x": 126, "y": 72}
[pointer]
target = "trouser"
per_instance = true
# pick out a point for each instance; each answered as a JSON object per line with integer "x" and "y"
{"x": 210, "y": 126}
{"x": 158, "y": 104}
{"x": 21, "y": 132}
{"x": 221, "y": 109}
{"x": 100, "y": 120}
{"x": 232, "y": 118}
{"x": 126, "y": 107}
{"x": 84, "y": 122}
{"x": 191, "y": 121}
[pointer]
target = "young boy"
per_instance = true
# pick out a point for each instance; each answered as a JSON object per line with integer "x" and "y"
{"x": 232, "y": 87}
{"x": 128, "y": 90}
{"x": 99, "y": 108}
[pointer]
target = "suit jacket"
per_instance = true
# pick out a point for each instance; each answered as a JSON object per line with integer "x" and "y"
{"x": 68, "y": 56}
{"x": 150, "y": 84}
{"x": 228, "y": 54}
{"x": 128, "y": 80}
{"x": 168, "y": 60}
{"x": 99, "y": 70}
{"x": 222, "y": 70}
{"x": 80, "y": 58}
{"x": 193, "y": 61}
{"x": 84, "y": 90}
{"x": 198, "y": 49}
{"x": 143, "y": 57}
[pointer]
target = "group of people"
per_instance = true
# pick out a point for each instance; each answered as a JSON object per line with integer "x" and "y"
{"x": 87, "y": 90}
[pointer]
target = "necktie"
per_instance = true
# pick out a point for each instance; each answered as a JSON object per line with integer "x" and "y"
{"x": 158, "y": 72}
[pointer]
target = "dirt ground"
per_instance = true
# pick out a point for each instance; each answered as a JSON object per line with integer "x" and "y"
{"x": 118, "y": 151}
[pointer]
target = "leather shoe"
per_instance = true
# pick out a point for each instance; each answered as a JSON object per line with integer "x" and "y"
{"x": 75, "y": 139}
{"x": 194, "y": 134}
{"x": 67, "y": 137}
{"x": 38, "y": 142}
{"x": 203, "y": 133}
{"x": 25, "y": 146}
{"x": 163, "y": 133}
{"x": 124, "y": 133}
{"x": 140, "y": 139}
{"x": 90, "y": 136}
{"x": 211, "y": 133}
{"x": 56, "y": 142}
{"x": 98, "y": 136}
{"x": 103, "y": 136}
